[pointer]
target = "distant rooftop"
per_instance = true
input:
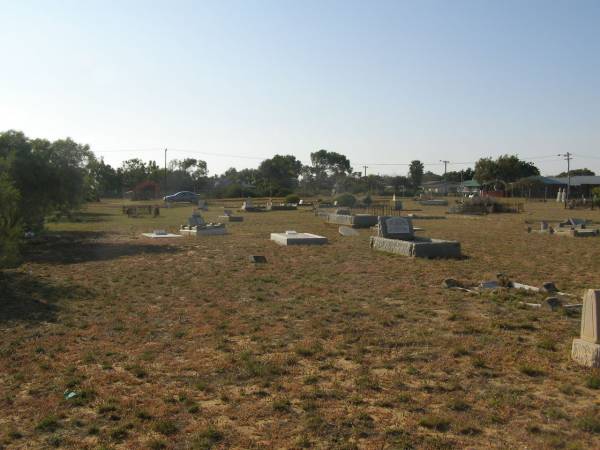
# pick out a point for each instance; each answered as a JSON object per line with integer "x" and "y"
{"x": 579, "y": 180}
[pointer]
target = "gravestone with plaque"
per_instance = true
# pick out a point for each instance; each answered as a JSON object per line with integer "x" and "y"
{"x": 396, "y": 228}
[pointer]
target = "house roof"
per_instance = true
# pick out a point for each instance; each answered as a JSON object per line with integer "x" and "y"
{"x": 544, "y": 180}
{"x": 579, "y": 180}
{"x": 471, "y": 183}
{"x": 438, "y": 183}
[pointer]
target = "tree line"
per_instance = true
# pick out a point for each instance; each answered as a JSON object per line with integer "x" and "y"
{"x": 40, "y": 178}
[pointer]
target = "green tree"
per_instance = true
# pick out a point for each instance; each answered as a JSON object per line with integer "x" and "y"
{"x": 578, "y": 172}
{"x": 458, "y": 176}
{"x": 328, "y": 169}
{"x": 50, "y": 176}
{"x": 279, "y": 175}
{"x": 507, "y": 168}
{"x": 105, "y": 181}
{"x": 415, "y": 173}
{"x": 10, "y": 223}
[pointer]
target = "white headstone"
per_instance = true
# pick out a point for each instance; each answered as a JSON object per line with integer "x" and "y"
{"x": 586, "y": 349}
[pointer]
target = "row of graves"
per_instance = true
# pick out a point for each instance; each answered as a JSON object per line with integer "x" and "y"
{"x": 141, "y": 210}
{"x": 249, "y": 206}
{"x": 395, "y": 234}
{"x": 570, "y": 228}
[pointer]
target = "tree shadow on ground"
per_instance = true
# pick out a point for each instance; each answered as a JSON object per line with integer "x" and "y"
{"x": 27, "y": 298}
{"x": 86, "y": 216}
{"x": 81, "y": 246}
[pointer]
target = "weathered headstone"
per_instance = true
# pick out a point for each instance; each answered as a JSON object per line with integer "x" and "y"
{"x": 227, "y": 212}
{"x": 543, "y": 226}
{"x": 196, "y": 220}
{"x": 396, "y": 228}
{"x": 586, "y": 349}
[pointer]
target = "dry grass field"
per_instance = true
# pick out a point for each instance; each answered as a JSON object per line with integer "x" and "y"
{"x": 185, "y": 344}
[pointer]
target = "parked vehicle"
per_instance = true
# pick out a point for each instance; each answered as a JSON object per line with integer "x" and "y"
{"x": 182, "y": 196}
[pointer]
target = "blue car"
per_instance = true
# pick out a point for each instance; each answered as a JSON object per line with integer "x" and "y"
{"x": 183, "y": 196}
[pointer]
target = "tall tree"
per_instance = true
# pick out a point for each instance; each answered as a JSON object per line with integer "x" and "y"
{"x": 279, "y": 175}
{"x": 415, "y": 173}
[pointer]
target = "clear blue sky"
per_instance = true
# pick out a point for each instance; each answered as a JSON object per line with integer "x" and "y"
{"x": 379, "y": 81}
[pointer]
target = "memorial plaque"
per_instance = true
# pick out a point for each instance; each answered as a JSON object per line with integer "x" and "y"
{"x": 396, "y": 228}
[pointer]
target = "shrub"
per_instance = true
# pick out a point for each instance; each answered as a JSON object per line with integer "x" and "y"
{"x": 165, "y": 427}
{"x": 292, "y": 198}
{"x": 207, "y": 438}
{"x": 435, "y": 423}
{"x": 347, "y": 200}
{"x": 593, "y": 382}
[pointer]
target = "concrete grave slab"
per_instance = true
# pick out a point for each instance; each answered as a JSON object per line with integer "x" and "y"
{"x": 157, "y": 234}
{"x": 295, "y": 238}
{"x": 419, "y": 247}
{"x": 434, "y": 202}
{"x": 354, "y": 221}
{"x": 229, "y": 218}
{"x": 347, "y": 231}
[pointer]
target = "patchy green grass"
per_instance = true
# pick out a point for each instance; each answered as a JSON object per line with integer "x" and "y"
{"x": 185, "y": 344}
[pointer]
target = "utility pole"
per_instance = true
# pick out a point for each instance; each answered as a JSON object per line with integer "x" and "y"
{"x": 365, "y": 167}
{"x": 445, "y": 166}
{"x": 445, "y": 180}
{"x": 568, "y": 157}
{"x": 166, "y": 193}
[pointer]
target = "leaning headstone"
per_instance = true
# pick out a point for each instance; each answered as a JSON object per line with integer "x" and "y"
{"x": 586, "y": 349}
{"x": 396, "y": 228}
{"x": 347, "y": 231}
